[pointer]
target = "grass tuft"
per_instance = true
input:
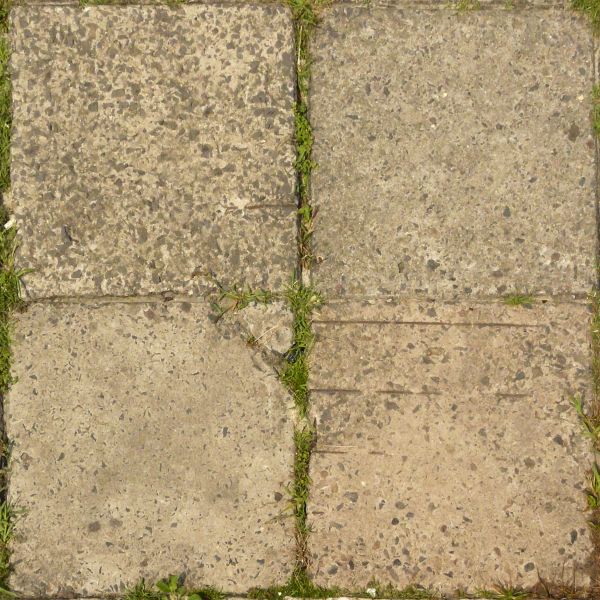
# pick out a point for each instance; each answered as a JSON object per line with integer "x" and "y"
{"x": 238, "y": 297}
{"x": 503, "y": 593}
{"x": 304, "y": 166}
{"x": 299, "y": 586}
{"x": 410, "y": 592}
{"x": 591, "y": 8}
{"x": 596, "y": 109}
{"x": 10, "y": 298}
{"x": 294, "y": 375}
{"x": 5, "y": 111}
{"x": 172, "y": 588}
{"x": 8, "y": 518}
{"x": 5, "y": 6}
{"x": 462, "y": 6}
{"x": 305, "y": 15}
{"x": 519, "y": 300}
{"x": 589, "y": 422}
{"x": 304, "y": 439}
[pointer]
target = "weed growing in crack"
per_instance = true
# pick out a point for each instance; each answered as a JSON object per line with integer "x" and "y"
{"x": 10, "y": 299}
{"x": 410, "y": 592}
{"x": 305, "y": 17}
{"x": 503, "y": 593}
{"x": 8, "y": 518}
{"x": 593, "y": 491}
{"x": 304, "y": 166}
{"x": 589, "y": 422}
{"x": 595, "y": 338}
{"x": 299, "y": 586}
{"x": 172, "y": 588}
{"x": 519, "y": 300}
{"x": 5, "y": 6}
{"x": 596, "y": 109}
{"x": 591, "y": 8}
{"x": 5, "y": 106}
{"x": 304, "y": 438}
{"x": 294, "y": 375}
{"x": 462, "y": 6}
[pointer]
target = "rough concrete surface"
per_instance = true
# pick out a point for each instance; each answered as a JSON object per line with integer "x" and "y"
{"x": 146, "y": 442}
{"x": 461, "y": 160}
{"x": 152, "y": 144}
{"x": 448, "y": 452}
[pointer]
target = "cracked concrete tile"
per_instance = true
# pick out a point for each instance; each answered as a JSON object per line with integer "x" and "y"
{"x": 461, "y": 142}
{"x": 152, "y": 144}
{"x": 146, "y": 442}
{"x": 448, "y": 452}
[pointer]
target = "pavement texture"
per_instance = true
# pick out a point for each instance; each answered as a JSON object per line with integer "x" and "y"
{"x": 151, "y": 145}
{"x": 448, "y": 452}
{"x": 153, "y": 149}
{"x": 447, "y": 448}
{"x": 146, "y": 441}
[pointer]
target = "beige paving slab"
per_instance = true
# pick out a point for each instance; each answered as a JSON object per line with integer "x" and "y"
{"x": 151, "y": 144}
{"x": 450, "y": 147}
{"x": 147, "y": 441}
{"x": 448, "y": 452}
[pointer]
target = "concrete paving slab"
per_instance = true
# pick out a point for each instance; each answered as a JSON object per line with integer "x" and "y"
{"x": 152, "y": 144}
{"x": 449, "y": 148}
{"x": 448, "y": 452}
{"x": 146, "y": 442}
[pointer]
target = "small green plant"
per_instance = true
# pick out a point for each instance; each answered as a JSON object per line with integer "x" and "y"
{"x": 593, "y": 492}
{"x": 519, "y": 300}
{"x": 8, "y": 518}
{"x": 410, "y": 592}
{"x": 595, "y": 339}
{"x": 466, "y": 5}
{"x": 299, "y": 586}
{"x": 590, "y": 423}
{"x": 591, "y": 8}
{"x": 5, "y": 112}
{"x": 503, "y": 593}
{"x": 5, "y": 6}
{"x": 303, "y": 443}
{"x": 596, "y": 109}
{"x": 238, "y": 297}
{"x": 305, "y": 15}
{"x": 294, "y": 375}
{"x": 172, "y": 588}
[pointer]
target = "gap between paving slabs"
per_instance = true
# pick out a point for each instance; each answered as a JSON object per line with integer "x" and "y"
{"x": 302, "y": 300}
{"x": 10, "y": 296}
